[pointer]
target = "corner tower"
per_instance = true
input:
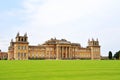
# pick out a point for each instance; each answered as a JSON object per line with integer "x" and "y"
{"x": 95, "y": 48}
{"x": 21, "y": 47}
{"x": 11, "y": 50}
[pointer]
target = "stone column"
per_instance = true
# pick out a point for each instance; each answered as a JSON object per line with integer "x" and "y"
{"x": 49, "y": 53}
{"x": 58, "y": 52}
{"x": 45, "y": 56}
{"x": 74, "y": 54}
{"x": 66, "y": 52}
{"x": 61, "y": 51}
{"x": 69, "y": 53}
{"x": 57, "y": 56}
{"x": 62, "y": 54}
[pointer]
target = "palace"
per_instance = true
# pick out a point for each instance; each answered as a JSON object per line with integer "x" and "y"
{"x": 52, "y": 49}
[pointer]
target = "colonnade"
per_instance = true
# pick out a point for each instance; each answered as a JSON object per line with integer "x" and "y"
{"x": 63, "y": 52}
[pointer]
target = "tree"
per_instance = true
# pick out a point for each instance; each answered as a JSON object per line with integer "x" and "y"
{"x": 110, "y": 55}
{"x": 117, "y": 55}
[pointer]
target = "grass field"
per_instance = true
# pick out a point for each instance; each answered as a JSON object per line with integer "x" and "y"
{"x": 60, "y": 70}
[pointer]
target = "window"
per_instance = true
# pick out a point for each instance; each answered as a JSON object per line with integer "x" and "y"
{"x": 18, "y": 56}
{"x": 25, "y": 40}
{"x": 21, "y": 47}
{"x": 18, "y": 47}
{"x": 24, "y": 54}
{"x": 22, "y": 39}
{"x": 21, "y": 54}
{"x": 32, "y": 54}
{"x": 25, "y": 47}
{"x": 18, "y": 39}
{"x": 28, "y": 54}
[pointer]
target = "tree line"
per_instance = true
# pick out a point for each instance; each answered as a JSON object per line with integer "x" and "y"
{"x": 115, "y": 56}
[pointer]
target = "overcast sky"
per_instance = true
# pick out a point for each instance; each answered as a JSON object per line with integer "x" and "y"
{"x": 74, "y": 20}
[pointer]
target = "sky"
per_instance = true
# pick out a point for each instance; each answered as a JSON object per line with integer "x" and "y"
{"x": 74, "y": 20}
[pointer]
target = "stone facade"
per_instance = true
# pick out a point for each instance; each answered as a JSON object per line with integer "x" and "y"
{"x": 52, "y": 49}
{"x": 3, "y": 55}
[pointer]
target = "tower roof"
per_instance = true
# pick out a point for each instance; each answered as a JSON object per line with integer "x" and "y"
{"x": 25, "y": 35}
{"x": 18, "y": 34}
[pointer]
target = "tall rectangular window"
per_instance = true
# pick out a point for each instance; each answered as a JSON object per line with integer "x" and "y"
{"x": 18, "y": 47}
{"x": 22, "y": 47}
{"x": 18, "y": 56}
{"x": 24, "y": 54}
{"x": 25, "y": 47}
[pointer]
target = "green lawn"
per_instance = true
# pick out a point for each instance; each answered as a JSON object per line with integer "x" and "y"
{"x": 60, "y": 70}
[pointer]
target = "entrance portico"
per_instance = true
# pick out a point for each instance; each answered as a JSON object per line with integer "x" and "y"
{"x": 63, "y": 52}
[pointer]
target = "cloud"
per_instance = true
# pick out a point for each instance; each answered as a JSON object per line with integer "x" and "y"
{"x": 52, "y": 12}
